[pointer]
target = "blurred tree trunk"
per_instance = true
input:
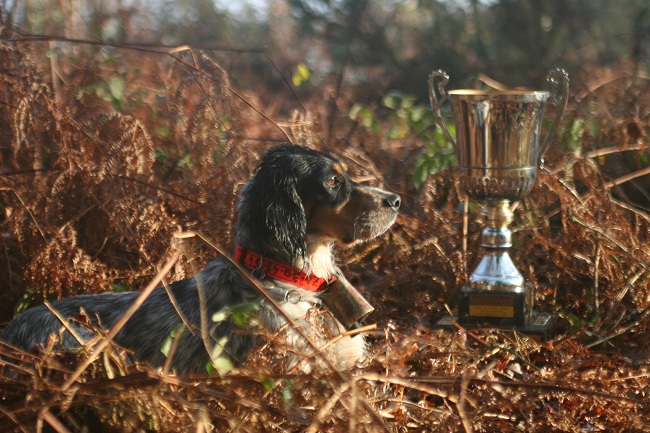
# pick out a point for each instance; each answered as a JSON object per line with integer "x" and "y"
{"x": 481, "y": 43}
{"x": 641, "y": 33}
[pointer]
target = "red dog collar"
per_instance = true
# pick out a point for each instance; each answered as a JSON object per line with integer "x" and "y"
{"x": 280, "y": 271}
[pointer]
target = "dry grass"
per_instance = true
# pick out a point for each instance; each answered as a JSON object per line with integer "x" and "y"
{"x": 98, "y": 175}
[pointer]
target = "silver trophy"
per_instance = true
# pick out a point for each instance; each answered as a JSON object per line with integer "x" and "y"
{"x": 498, "y": 152}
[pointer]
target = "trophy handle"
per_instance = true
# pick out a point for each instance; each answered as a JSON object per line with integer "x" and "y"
{"x": 438, "y": 96}
{"x": 559, "y": 80}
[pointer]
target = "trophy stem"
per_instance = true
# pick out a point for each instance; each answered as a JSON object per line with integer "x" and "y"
{"x": 497, "y": 271}
{"x": 497, "y": 292}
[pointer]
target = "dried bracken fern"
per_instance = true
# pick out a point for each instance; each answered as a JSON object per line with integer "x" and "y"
{"x": 93, "y": 189}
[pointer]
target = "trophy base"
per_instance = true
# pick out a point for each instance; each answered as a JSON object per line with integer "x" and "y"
{"x": 500, "y": 309}
{"x": 539, "y": 326}
{"x": 496, "y": 307}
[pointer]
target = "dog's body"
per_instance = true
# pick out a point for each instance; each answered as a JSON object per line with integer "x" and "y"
{"x": 294, "y": 208}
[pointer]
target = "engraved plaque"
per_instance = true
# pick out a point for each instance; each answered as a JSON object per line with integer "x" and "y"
{"x": 489, "y": 305}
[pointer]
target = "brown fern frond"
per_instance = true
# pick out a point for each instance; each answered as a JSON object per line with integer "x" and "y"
{"x": 62, "y": 248}
{"x": 124, "y": 146}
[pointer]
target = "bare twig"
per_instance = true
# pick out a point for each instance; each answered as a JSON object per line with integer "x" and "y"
{"x": 462, "y": 398}
{"x": 628, "y": 177}
{"x": 458, "y": 326}
{"x": 264, "y": 294}
{"x": 621, "y": 331}
{"x": 413, "y": 383}
{"x": 31, "y": 214}
{"x": 284, "y": 79}
{"x": 144, "y": 47}
{"x": 613, "y": 240}
{"x": 6, "y": 412}
{"x": 596, "y": 275}
{"x": 327, "y": 407}
{"x": 613, "y": 149}
{"x": 53, "y": 421}
{"x": 228, "y": 86}
{"x": 417, "y": 383}
{"x": 465, "y": 234}
{"x": 621, "y": 294}
{"x": 349, "y": 333}
{"x": 119, "y": 324}
{"x": 66, "y": 325}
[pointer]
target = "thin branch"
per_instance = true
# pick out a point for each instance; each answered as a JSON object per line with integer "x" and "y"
{"x": 195, "y": 68}
{"x": 628, "y": 177}
{"x": 119, "y": 324}
{"x": 140, "y": 46}
{"x": 164, "y": 50}
{"x": 596, "y": 276}
{"x": 619, "y": 297}
{"x": 31, "y": 214}
{"x": 460, "y": 407}
{"x": 417, "y": 383}
{"x": 413, "y": 383}
{"x": 53, "y": 421}
{"x": 327, "y": 407}
{"x": 284, "y": 79}
{"x": 158, "y": 188}
{"x": 66, "y": 325}
{"x": 613, "y": 149}
{"x": 616, "y": 242}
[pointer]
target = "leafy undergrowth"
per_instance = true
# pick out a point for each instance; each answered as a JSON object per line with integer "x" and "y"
{"x": 102, "y": 168}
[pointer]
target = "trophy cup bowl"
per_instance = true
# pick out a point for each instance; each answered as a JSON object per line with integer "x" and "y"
{"x": 498, "y": 151}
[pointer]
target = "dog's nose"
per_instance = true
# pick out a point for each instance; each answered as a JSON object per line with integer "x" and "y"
{"x": 393, "y": 201}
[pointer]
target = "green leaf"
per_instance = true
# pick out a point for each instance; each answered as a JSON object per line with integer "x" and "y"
{"x": 25, "y": 301}
{"x": 222, "y": 366}
{"x": 242, "y": 315}
{"x": 354, "y": 111}
{"x": 367, "y": 118}
{"x": 117, "y": 87}
{"x": 245, "y": 315}
{"x": 408, "y": 102}
{"x": 219, "y": 347}
{"x": 268, "y": 383}
{"x": 575, "y": 322}
{"x": 173, "y": 335}
{"x": 221, "y": 315}
{"x": 160, "y": 156}
{"x": 185, "y": 162}
{"x": 120, "y": 288}
{"x": 304, "y": 72}
{"x": 287, "y": 394}
{"x": 301, "y": 75}
{"x": 418, "y": 113}
{"x": 220, "y": 363}
{"x": 420, "y": 174}
{"x": 390, "y": 102}
{"x": 393, "y": 99}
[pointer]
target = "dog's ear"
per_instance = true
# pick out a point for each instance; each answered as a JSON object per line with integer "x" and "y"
{"x": 271, "y": 213}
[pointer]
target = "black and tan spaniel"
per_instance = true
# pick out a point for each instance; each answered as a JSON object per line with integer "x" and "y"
{"x": 292, "y": 211}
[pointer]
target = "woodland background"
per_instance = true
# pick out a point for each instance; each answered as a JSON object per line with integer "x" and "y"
{"x": 123, "y": 123}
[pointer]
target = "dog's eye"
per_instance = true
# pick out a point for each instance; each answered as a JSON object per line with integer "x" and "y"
{"x": 333, "y": 180}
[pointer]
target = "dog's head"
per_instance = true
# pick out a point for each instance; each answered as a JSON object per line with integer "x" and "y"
{"x": 300, "y": 199}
